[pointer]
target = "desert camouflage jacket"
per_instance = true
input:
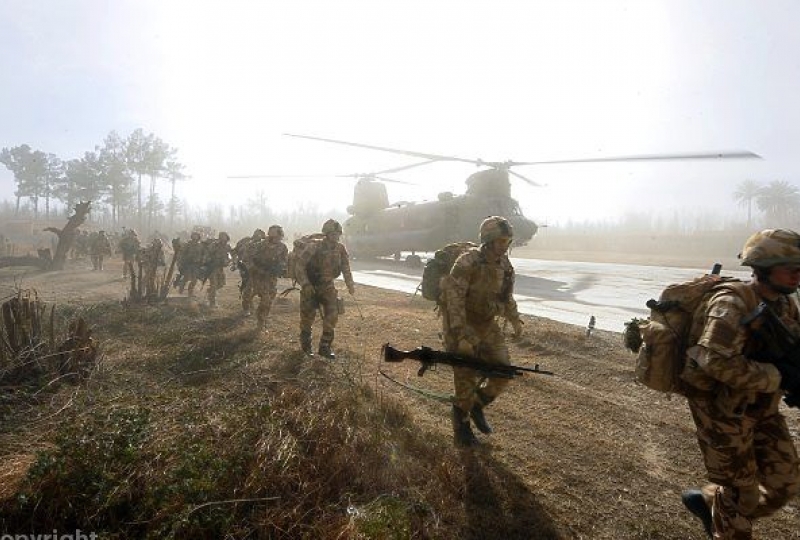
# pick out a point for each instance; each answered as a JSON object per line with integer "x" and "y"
{"x": 477, "y": 290}
{"x": 100, "y": 246}
{"x": 724, "y": 365}
{"x": 129, "y": 245}
{"x": 152, "y": 256}
{"x": 191, "y": 253}
{"x": 322, "y": 263}
{"x": 218, "y": 255}
{"x": 265, "y": 257}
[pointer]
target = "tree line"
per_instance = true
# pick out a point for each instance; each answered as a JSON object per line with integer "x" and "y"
{"x": 779, "y": 201}
{"x": 112, "y": 175}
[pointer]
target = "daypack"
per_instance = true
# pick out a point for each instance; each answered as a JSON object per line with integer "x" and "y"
{"x": 300, "y": 246}
{"x": 674, "y": 325}
{"x": 439, "y": 266}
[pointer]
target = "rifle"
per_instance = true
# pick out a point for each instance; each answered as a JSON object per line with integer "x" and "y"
{"x": 782, "y": 345}
{"x": 429, "y": 357}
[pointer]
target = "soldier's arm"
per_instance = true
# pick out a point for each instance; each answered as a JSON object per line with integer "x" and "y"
{"x": 346, "y": 273}
{"x": 721, "y": 346}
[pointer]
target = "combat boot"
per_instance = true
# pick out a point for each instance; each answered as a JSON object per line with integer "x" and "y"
{"x": 325, "y": 351}
{"x": 305, "y": 343}
{"x": 695, "y": 502}
{"x": 462, "y": 432}
{"x": 477, "y": 413}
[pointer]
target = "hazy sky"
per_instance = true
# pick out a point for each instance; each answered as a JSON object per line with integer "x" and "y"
{"x": 523, "y": 80}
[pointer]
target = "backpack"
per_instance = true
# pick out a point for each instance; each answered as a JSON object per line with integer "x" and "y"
{"x": 674, "y": 325}
{"x": 299, "y": 247}
{"x": 439, "y": 266}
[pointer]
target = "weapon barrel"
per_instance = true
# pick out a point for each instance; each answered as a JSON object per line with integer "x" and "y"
{"x": 429, "y": 356}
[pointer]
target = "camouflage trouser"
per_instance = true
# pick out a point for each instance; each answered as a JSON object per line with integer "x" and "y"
{"x": 752, "y": 463}
{"x": 189, "y": 279}
{"x": 127, "y": 263}
{"x": 97, "y": 262}
{"x": 150, "y": 285}
{"x": 492, "y": 350}
{"x": 265, "y": 287}
{"x": 325, "y": 299}
{"x": 216, "y": 280}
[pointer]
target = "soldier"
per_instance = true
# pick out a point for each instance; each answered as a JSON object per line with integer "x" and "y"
{"x": 240, "y": 254}
{"x": 99, "y": 249}
{"x": 190, "y": 259}
{"x": 129, "y": 246}
{"x": 265, "y": 262}
{"x": 736, "y": 376}
{"x": 151, "y": 258}
{"x": 217, "y": 259}
{"x": 316, "y": 268}
{"x": 479, "y": 288}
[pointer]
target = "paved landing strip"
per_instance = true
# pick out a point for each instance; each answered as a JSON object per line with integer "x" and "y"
{"x": 569, "y": 292}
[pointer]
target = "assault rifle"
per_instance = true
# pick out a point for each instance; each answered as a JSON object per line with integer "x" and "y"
{"x": 429, "y": 357}
{"x": 782, "y": 344}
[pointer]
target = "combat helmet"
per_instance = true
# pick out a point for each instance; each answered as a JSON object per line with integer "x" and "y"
{"x": 495, "y": 227}
{"x": 259, "y": 234}
{"x": 195, "y": 234}
{"x": 275, "y": 231}
{"x": 224, "y": 234}
{"x": 771, "y": 247}
{"x": 331, "y": 226}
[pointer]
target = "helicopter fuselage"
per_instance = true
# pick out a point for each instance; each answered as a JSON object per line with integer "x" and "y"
{"x": 427, "y": 226}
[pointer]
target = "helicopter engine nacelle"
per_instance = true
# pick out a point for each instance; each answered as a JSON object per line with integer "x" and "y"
{"x": 368, "y": 197}
{"x": 489, "y": 183}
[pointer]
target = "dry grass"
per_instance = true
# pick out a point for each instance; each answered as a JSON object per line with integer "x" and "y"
{"x": 196, "y": 424}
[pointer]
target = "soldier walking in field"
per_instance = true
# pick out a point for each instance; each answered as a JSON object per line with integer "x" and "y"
{"x": 479, "y": 288}
{"x": 190, "y": 259}
{"x": 129, "y": 246}
{"x": 240, "y": 254}
{"x": 742, "y": 365}
{"x": 151, "y": 258}
{"x": 99, "y": 249}
{"x": 264, "y": 261}
{"x": 315, "y": 270}
{"x": 217, "y": 259}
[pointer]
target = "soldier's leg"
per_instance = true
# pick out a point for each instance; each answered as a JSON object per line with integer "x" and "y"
{"x": 212, "y": 289}
{"x": 267, "y": 292}
{"x": 308, "y": 312}
{"x": 248, "y": 292}
{"x": 330, "y": 316}
{"x": 727, "y": 445}
{"x": 778, "y": 466}
{"x": 99, "y": 262}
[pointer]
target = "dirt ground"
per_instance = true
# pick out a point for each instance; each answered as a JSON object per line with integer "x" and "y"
{"x": 586, "y": 453}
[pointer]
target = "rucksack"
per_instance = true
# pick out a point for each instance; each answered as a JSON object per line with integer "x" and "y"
{"x": 674, "y": 325}
{"x": 299, "y": 247}
{"x": 439, "y": 266}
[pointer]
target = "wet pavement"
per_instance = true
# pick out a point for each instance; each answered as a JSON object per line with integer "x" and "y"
{"x": 569, "y": 292}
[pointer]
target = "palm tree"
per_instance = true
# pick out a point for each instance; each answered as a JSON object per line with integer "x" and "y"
{"x": 779, "y": 201}
{"x": 745, "y": 194}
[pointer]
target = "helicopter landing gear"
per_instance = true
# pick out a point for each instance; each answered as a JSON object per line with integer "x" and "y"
{"x": 397, "y": 256}
{"x": 414, "y": 261}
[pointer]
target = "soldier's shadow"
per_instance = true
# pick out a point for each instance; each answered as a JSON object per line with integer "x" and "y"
{"x": 499, "y": 505}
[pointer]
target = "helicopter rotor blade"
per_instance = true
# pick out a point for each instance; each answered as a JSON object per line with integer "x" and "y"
{"x": 739, "y": 154}
{"x": 255, "y": 176}
{"x": 406, "y": 167}
{"x": 528, "y": 180}
{"x": 431, "y": 157}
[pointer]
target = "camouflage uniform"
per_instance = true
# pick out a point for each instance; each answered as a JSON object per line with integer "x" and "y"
{"x": 190, "y": 259}
{"x": 479, "y": 288}
{"x": 734, "y": 399}
{"x": 151, "y": 258}
{"x": 129, "y": 246}
{"x": 316, "y": 268}
{"x": 265, "y": 261}
{"x": 217, "y": 259}
{"x": 99, "y": 248}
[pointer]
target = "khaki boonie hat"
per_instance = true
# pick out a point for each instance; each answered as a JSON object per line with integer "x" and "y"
{"x": 771, "y": 247}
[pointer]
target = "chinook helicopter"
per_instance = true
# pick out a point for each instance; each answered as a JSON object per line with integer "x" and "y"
{"x": 377, "y": 227}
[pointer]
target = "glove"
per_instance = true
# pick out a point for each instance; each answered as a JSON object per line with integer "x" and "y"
{"x": 351, "y": 289}
{"x": 517, "y": 324}
{"x": 467, "y": 343}
{"x": 790, "y": 377}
